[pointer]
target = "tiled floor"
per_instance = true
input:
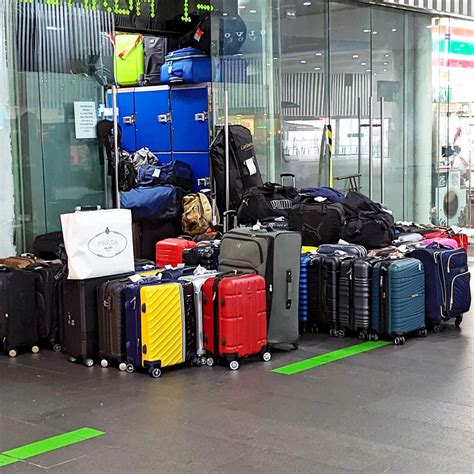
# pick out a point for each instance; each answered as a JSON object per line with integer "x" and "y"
{"x": 394, "y": 409}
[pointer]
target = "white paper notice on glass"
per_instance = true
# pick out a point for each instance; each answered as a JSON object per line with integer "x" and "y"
{"x": 250, "y": 164}
{"x": 85, "y": 120}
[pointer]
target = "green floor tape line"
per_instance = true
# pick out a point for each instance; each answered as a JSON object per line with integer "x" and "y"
{"x": 46, "y": 445}
{"x": 324, "y": 359}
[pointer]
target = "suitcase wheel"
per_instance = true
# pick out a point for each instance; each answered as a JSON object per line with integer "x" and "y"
{"x": 423, "y": 332}
{"x": 363, "y": 336}
{"x": 130, "y": 368}
{"x": 35, "y": 349}
{"x": 88, "y": 362}
{"x": 155, "y": 373}
{"x": 438, "y": 327}
{"x": 340, "y": 333}
{"x": 332, "y": 332}
{"x": 399, "y": 341}
{"x": 234, "y": 365}
{"x": 267, "y": 356}
{"x": 122, "y": 366}
{"x": 104, "y": 363}
{"x": 202, "y": 360}
{"x": 12, "y": 353}
{"x": 373, "y": 337}
{"x": 57, "y": 348}
{"x": 458, "y": 321}
{"x": 210, "y": 361}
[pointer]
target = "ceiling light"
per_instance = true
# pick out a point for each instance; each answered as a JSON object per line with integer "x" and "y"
{"x": 242, "y": 7}
{"x": 366, "y": 31}
{"x": 368, "y": 70}
{"x": 385, "y": 70}
{"x": 303, "y": 61}
{"x": 318, "y": 54}
{"x": 307, "y": 4}
{"x": 387, "y": 55}
{"x": 375, "y": 32}
{"x": 363, "y": 64}
{"x": 317, "y": 69}
{"x": 252, "y": 11}
{"x": 275, "y": 59}
{"x": 385, "y": 63}
{"x": 355, "y": 56}
{"x": 375, "y": 73}
{"x": 394, "y": 29}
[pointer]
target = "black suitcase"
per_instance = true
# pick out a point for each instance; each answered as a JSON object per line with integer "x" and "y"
{"x": 190, "y": 322}
{"x": 111, "y": 323}
{"x": 355, "y": 296}
{"x": 318, "y": 222}
{"x": 147, "y": 233}
{"x": 324, "y": 271}
{"x": 48, "y": 280}
{"x": 244, "y": 172}
{"x": 205, "y": 254}
{"x": 155, "y": 48}
{"x": 80, "y": 318}
{"x": 48, "y": 246}
{"x": 18, "y": 315}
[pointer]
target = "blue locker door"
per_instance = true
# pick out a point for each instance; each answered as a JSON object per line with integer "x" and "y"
{"x": 189, "y": 109}
{"x": 199, "y": 163}
{"x": 153, "y": 121}
{"x": 126, "y": 106}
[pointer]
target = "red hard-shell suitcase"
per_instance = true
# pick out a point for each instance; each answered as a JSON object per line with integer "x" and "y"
{"x": 170, "y": 251}
{"x": 235, "y": 318}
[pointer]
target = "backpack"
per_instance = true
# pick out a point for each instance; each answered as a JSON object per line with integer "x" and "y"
{"x": 197, "y": 214}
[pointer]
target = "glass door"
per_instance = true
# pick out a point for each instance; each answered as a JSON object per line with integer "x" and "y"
{"x": 350, "y": 66}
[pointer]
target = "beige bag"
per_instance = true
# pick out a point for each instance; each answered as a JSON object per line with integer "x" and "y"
{"x": 197, "y": 214}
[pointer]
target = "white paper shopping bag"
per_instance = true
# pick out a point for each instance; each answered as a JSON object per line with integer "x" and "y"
{"x": 98, "y": 243}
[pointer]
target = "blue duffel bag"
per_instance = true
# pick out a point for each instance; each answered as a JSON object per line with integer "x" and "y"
{"x": 188, "y": 65}
{"x": 157, "y": 202}
{"x": 332, "y": 195}
{"x": 176, "y": 173}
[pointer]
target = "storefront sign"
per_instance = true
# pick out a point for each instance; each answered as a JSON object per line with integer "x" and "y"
{"x": 85, "y": 120}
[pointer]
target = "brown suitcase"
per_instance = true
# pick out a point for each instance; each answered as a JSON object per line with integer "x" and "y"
{"x": 20, "y": 262}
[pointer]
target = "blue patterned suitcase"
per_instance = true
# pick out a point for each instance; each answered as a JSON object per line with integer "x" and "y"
{"x": 303, "y": 311}
{"x": 447, "y": 284}
{"x": 398, "y": 299}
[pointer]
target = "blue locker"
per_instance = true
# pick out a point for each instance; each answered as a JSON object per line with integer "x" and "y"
{"x": 189, "y": 115}
{"x": 126, "y": 108}
{"x": 153, "y": 120}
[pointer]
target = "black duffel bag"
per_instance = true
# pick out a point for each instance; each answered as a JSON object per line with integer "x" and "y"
{"x": 266, "y": 203}
{"x": 367, "y": 222}
{"x": 318, "y": 222}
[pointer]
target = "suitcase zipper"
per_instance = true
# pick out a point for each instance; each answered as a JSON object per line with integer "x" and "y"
{"x": 451, "y": 302}
{"x": 251, "y": 241}
{"x": 449, "y": 261}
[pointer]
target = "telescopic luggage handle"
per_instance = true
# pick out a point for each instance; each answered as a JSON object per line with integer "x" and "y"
{"x": 227, "y": 216}
{"x": 87, "y": 208}
{"x": 289, "y": 289}
{"x": 288, "y": 175}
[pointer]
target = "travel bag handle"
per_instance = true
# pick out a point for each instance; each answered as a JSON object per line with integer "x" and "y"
{"x": 288, "y": 175}
{"x": 124, "y": 53}
{"x": 289, "y": 288}
{"x": 87, "y": 208}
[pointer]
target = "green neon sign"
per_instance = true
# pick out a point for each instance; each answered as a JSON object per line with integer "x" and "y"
{"x": 125, "y": 7}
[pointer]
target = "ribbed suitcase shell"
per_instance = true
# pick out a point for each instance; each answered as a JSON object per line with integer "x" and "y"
{"x": 235, "y": 319}
{"x": 198, "y": 282}
{"x": 398, "y": 297}
{"x": 170, "y": 251}
{"x": 162, "y": 325}
{"x": 304, "y": 292}
{"x": 355, "y": 290}
{"x": 18, "y": 318}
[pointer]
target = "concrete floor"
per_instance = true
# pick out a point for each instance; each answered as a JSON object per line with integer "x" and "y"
{"x": 394, "y": 409}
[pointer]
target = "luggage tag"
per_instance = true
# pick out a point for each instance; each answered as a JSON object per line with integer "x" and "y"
{"x": 250, "y": 164}
{"x": 156, "y": 173}
{"x": 135, "y": 278}
{"x": 200, "y": 271}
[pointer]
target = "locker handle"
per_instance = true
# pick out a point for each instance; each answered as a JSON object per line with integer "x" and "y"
{"x": 164, "y": 118}
{"x": 289, "y": 289}
{"x": 129, "y": 119}
{"x": 201, "y": 117}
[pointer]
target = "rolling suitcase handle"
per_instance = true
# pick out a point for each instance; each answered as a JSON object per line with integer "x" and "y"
{"x": 288, "y": 175}
{"x": 228, "y": 224}
{"x": 87, "y": 208}
{"x": 289, "y": 289}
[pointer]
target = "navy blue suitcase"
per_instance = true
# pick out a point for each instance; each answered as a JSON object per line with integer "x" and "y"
{"x": 398, "y": 299}
{"x": 447, "y": 282}
{"x": 189, "y": 65}
{"x": 303, "y": 311}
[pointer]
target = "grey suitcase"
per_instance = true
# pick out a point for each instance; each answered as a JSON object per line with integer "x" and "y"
{"x": 276, "y": 256}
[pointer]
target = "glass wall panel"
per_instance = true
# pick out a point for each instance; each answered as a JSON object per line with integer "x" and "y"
{"x": 61, "y": 55}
